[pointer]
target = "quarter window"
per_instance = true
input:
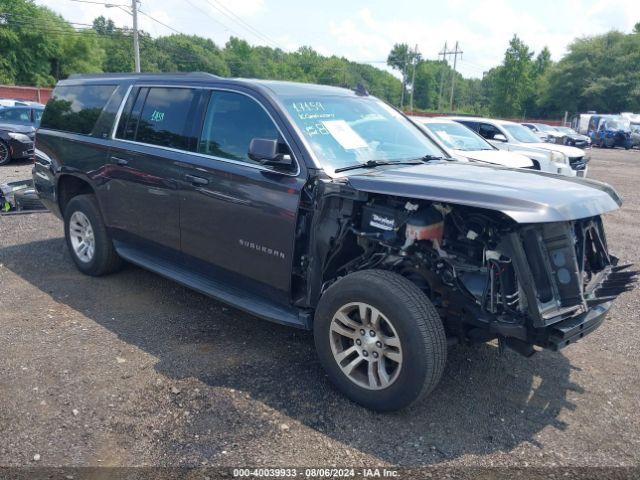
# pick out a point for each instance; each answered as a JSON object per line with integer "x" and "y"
{"x": 76, "y": 108}
{"x": 231, "y": 122}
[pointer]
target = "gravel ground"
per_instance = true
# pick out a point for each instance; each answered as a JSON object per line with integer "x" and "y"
{"x": 132, "y": 369}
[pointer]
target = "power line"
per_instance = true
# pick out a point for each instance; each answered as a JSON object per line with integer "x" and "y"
{"x": 159, "y": 22}
{"x": 231, "y": 15}
{"x": 106, "y": 4}
{"x": 226, "y": 27}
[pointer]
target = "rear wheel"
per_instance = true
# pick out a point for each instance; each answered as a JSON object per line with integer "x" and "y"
{"x": 5, "y": 153}
{"x": 89, "y": 243}
{"x": 380, "y": 339}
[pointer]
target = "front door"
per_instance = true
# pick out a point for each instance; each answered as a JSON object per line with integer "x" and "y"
{"x": 238, "y": 217}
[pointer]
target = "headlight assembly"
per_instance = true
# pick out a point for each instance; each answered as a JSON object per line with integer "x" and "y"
{"x": 559, "y": 157}
{"x": 21, "y": 137}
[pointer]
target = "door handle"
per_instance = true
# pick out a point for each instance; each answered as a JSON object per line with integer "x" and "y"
{"x": 196, "y": 180}
{"x": 120, "y": 161}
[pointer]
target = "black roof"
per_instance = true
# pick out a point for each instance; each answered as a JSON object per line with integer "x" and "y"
{"x": 275, "y": 87}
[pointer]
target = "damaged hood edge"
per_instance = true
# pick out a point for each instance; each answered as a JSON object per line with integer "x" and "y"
{"x": 525, "y": 196}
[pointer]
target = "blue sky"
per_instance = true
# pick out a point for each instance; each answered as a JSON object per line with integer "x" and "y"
{"x": 366, "y": 30}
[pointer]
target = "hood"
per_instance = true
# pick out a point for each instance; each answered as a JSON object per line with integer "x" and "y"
{"x": 498, "y": 157}
{"x": 524, "y": 195}
{"x": 568, "y": 151}
{"x": 8, "y": 127}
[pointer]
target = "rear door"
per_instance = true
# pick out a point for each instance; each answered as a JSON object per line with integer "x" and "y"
{"x": 152, "y": 137}
{"x": 238, "y": 217}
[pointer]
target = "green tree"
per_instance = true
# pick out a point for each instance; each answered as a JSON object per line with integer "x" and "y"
{"x": 400, "y": 58}
{"x": 513, "y": 82}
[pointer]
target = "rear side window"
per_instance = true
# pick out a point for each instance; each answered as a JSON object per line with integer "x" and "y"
{"x": 160, "y": 116}
{"x": 76, "y": 108}
{"x": 231, "y": 122}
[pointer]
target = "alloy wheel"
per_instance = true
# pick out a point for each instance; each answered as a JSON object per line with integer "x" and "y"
{"x": 366, "y": 346}
{"x": 4, "y": 152}
{"x": 82, "y": 237}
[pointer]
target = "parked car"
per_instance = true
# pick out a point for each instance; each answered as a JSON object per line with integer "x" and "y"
{"x": 635, "y": 135}
{"x": 21, "y": 115}
{"x": 568, "y": 136}
{"x": 513, "y": 137}
{"x": 325, "y": 209}
{"x": 464, "y": 144}
{"x": 612, "y": 132}
{"x": 9, "y": 102}
{"x": 16, "y": 142}
{"x": 546, "y": 133}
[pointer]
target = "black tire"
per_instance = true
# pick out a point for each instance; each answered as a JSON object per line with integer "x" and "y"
{"x": 105, "y": 260}
{"x": 419, "y": 329}
{"x": 28, "y": 199}
{"x": 5, "y": 153}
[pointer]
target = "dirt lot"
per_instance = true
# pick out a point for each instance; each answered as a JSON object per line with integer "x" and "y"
{"x": 133, "y": 369}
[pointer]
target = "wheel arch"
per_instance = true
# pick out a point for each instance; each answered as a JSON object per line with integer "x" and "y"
{"x": 70, "y": 186}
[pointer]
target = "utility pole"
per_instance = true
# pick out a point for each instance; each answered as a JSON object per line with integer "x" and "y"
{"x": 456, "y": 52}
{"x": 444, "y": 58}
{"x": 136, "y": 40}
{"x": 413, "y": 75}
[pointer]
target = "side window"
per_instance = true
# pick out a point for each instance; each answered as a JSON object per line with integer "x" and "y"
{"x": 165, "y": 117}
{"x": 130, "y": 114}
{"x": 488, "y": 131}
{"x": 231, "y": 122}
{"x": 76, "y": 108}
{"x": 37, "y": 116}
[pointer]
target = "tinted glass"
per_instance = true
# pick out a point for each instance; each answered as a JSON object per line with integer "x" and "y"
{"x": 231, "y": 122}
{"x": 104, "y": 124}
{"x": 128, "y": 123}
{"x": 489, "y": 131}
{"x": 472, "y": 125}
{"x": 165, "y": 117}
{"x": 345, "y": 130}
{"x": 37, "y": 117}
{"x": 76, "y": 108}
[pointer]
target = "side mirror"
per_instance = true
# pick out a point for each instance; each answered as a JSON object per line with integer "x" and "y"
{"x": 499, "y": 137}
{"x": 265, "y": 151}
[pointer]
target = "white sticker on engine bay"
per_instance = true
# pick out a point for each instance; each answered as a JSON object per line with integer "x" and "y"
{"x": 346, "y": 136}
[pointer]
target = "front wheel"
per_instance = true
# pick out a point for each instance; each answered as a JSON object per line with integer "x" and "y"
{"x": 380, "y": 339}
{"x": 5, "y": 153}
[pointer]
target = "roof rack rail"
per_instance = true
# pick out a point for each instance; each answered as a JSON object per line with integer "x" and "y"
{"x": 142, "y": 74}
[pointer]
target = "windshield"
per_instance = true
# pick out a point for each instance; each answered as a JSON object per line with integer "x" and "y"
{"x": 618, "y": 124}
{"x": 520, "y": 133}
{"x": 343, "y": 131}
{"x": 458, "y": 137}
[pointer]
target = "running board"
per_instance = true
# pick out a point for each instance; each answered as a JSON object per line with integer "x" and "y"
{"x": 260, "y": 307}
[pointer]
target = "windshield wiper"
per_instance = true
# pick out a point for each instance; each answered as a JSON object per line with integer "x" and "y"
{"x": 428, "y": 157}
{"x": 377, "y": 163}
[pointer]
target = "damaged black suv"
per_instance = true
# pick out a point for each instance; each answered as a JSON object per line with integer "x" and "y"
{"x": 325, "y": 209}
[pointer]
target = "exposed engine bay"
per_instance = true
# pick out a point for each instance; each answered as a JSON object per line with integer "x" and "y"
{"x": 489, "y": 277}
